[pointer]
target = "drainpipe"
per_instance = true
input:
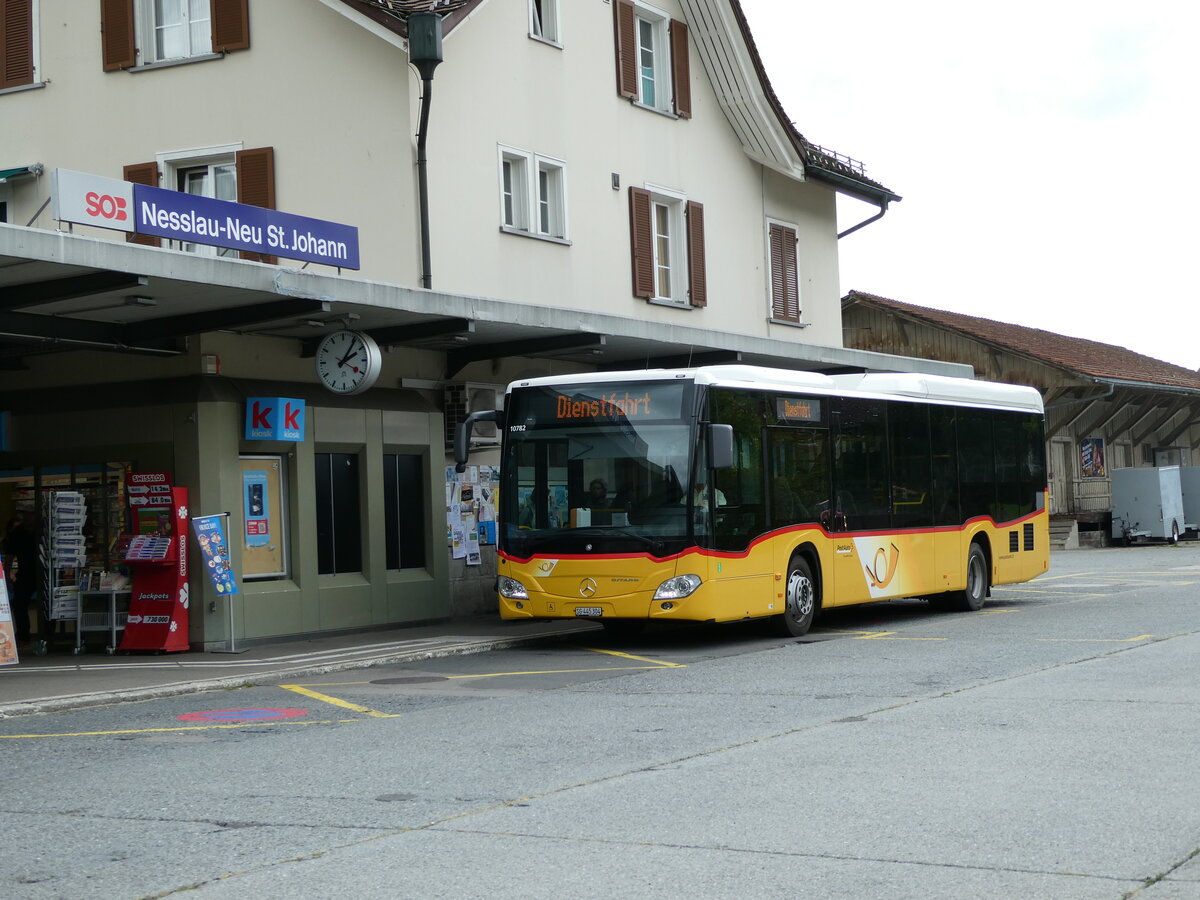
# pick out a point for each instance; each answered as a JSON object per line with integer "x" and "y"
{"x": 424, "y": 52}
{"x": 865, "y": 223}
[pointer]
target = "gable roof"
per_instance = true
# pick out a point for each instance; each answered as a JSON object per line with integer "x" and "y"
{"x": 840, "y": 172}
{"x": 721, "y": 36}
{"x": 1104, "y": 362}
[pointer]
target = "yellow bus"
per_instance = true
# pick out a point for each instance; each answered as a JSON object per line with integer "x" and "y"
{"x": 724, "y": 493}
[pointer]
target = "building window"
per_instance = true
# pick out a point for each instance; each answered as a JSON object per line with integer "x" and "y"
{"x": 175, "y": 29}
{"x": 532, "y": 194}
{"x": 338, "y": 513}
{"x": 217, "y": 180}
{"x": 543, "y": 20}
{"x": 785, "y": 276}
{"x": 667, "y": 244}
{"x": 143, "y": 32}
{"x": 221, "y": 173}
{"x": 653, "y": 68}
{"x": 18, "y": 48}
{"x": 404, "y": 505}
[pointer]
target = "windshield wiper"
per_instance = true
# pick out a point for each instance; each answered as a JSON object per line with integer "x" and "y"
{"x": 655, "y": 545}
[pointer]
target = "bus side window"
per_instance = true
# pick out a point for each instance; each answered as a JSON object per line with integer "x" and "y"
{"x": 861, "y": 480}
{"x": 912, "y": 505}
{"x": 943, "y": 449}
{"x": 976, "y": 471}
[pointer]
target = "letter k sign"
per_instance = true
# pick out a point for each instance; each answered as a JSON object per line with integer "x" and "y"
{"x": 291, "y": 416}
{"x": 261, "y": 416}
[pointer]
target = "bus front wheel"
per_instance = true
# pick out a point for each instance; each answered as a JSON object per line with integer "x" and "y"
{"x": 800, "y": 600}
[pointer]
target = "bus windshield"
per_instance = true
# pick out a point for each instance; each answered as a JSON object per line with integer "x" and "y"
{"x": 601, "y": 468}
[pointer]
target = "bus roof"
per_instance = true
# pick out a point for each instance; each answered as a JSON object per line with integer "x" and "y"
{"x": 883, "y": 385}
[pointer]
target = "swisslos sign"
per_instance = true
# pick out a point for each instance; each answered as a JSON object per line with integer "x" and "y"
{"x": 141, "y": 209}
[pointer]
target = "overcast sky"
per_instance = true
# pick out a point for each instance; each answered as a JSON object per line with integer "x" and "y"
{"x": 1047, "y": 154}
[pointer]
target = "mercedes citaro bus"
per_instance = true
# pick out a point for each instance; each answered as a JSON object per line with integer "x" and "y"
{"x": 723, "y": 493}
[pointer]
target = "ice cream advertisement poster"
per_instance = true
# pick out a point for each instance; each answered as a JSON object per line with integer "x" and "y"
{"x": 214, "y": 551}
{"x": 8, "y": 638}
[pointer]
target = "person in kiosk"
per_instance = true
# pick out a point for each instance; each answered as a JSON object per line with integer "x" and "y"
{"x": 21, "y": 565}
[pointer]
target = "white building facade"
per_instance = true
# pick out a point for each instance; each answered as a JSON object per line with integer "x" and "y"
{"x": 610, "y": 185}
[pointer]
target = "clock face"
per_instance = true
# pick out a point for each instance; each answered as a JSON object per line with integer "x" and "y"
{"x": 348, "y": 362}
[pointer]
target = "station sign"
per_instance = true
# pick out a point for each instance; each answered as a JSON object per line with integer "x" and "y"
{"x": 141, "y": 209}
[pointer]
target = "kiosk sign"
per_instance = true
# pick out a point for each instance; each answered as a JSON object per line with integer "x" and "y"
{"x": 274, "y": 419}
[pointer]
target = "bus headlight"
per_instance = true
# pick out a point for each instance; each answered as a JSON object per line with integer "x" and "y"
{"x": 511, "y": 588}
{"x": 679, "y": 586}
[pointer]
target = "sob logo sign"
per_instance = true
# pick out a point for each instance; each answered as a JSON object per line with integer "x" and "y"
{"x": 90, "y": 199}
{"x": 106, "y": 206}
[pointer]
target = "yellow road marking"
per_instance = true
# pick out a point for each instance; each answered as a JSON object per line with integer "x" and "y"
{"x": 325, "y": 698}
{"x": 254, "y": 724}
{"x": 1132, "y": 640}
{"x": 992, "y": 612}
{"x": 657, "y": 662}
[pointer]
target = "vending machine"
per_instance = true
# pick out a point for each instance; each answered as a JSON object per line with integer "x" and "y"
{"x": 158, "y": 564}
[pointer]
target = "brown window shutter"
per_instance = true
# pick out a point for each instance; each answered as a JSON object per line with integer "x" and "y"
{"x": 697, "y": 279}
{"x": 785, "y": 285}
{"x": 142, "y": 173}
{"x": 680, "y": 69}
{"x": 16, "y": 42}
{"x": 230, "y": 25}
{"x": 640, "y": 240}
{"x": 626, "y": 39}
{"x": 116, "y": 34}
{"x": 256, "y": 185}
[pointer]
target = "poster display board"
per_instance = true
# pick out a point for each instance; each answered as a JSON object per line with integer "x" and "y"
{"x": 157, "y": 560}
{"x": 264, "y": 517}
{"x": 471, "y": 511}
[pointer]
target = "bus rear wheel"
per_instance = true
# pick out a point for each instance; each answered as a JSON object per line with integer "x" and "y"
{"x": 800, "y": 600}
{"x": 971, "y": 598}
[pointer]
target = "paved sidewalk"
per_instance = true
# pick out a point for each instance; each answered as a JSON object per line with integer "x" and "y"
{"x": 61, "y": 680}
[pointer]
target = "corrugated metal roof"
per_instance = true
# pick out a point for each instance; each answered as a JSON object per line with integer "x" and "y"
{"x": 1079, "y": 355}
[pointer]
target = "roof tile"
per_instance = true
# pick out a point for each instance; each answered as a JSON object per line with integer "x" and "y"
{"x": 1091, "y": 358}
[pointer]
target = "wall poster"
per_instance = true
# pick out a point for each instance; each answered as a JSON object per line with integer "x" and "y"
{"x": 1091, "y": 458}
{"x": 264, "y": 517}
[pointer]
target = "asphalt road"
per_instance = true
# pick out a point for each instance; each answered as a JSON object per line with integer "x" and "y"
{"x": 1044, "y": 748}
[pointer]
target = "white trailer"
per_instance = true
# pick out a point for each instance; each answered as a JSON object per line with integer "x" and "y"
{"x": 1147, "y": 503}
{"x": 1189, "y": 479}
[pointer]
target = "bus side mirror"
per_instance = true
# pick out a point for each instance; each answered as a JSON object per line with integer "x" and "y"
{"x": 720, "y": 446}
{"x": 462, "y": 436}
